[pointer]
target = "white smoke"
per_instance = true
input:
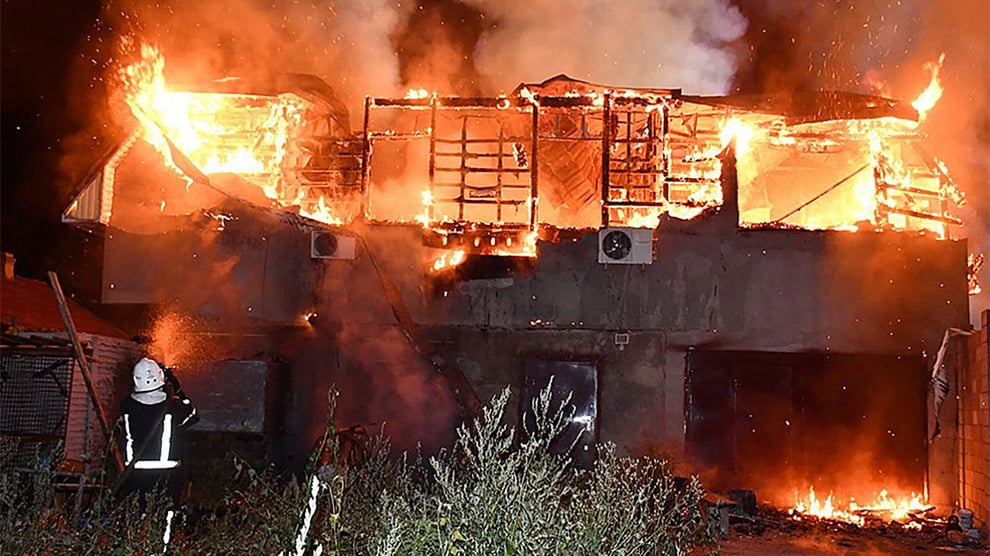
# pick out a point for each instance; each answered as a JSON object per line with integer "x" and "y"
{"x": 366, "y": 61}
{"x": 636, "y": 43}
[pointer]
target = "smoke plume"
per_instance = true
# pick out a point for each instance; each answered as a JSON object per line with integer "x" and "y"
{"x": 360, "y": 47}
{"x": 640, "y": 43}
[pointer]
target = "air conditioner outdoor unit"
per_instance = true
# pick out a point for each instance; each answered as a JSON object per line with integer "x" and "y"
{"x": 326, "y": 245}
{"x": 625, "y": 246}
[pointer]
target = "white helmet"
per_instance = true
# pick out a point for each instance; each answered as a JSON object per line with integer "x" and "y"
{"x": 148, "y": 376}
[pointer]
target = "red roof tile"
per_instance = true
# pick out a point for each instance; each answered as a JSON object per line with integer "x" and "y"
{"x": 30, "y": 306}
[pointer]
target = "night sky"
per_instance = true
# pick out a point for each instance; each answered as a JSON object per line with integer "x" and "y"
{"x": 54, "y": 54}
{"x": 40, "y": 45}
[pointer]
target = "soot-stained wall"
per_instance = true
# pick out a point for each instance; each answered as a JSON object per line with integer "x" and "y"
{"x": 711, "y": 286}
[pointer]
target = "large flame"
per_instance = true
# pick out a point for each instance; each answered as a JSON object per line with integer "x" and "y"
{"x": 219, "y": 133}
{"x": 736, "y": 129}
{"x": 251, "y": 136}
{"x": 143, "y": 84}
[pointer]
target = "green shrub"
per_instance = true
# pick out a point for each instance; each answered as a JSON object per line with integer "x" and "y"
{"x": 495, "y": 495}
{"x": 497, "y": 491}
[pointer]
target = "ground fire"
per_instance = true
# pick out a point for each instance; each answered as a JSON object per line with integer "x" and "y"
{"x": 485, "y": 176}
{"x": 882, "y": 507}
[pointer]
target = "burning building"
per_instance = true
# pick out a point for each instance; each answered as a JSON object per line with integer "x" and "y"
{"x": 752, "y": 286}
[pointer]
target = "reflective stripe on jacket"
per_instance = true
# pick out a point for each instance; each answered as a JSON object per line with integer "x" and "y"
{"x": 150, "y": 432}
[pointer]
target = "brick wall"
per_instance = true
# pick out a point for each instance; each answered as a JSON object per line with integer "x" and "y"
{"x": 974, "y": 418}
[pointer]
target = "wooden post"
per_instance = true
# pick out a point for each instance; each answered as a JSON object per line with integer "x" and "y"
{"x": 366, "y": 161}
{"x": 70, "y": 327}
{"x": 433, "y": 160}
{"x": 534, "y": 164}
{"x": 606, "y": 158}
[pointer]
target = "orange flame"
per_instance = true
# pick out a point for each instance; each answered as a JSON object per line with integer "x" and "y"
{"x": 927, "y": 99}
{"x": 241, "y": 134}
{"x": 894, "y": 508}
{"x": 249, "y": 136}
{"x": 449, "y": 260}
{"x": 734, "y": 128}
{"x": 526, "y": 249}
{"x": 219, "y": 133}
{"x": 144, "y": 88}
{"x": 321, "y": 211}
{"x": 427, "y": 201}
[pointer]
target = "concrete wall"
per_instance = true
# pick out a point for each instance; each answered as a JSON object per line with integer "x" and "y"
{"x": 974, "y": 427}
{"x": 711, "y": 286}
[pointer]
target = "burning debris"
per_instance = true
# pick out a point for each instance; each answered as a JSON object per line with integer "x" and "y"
{"x": 774, "y": 531}
{"x": 911, "y": 511}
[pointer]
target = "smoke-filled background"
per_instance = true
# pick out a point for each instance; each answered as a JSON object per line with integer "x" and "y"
{"x": 58, "y": 60}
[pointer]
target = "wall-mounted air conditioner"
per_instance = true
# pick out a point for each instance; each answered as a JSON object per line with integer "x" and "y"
{"x": 326, "y": 245}
{"x": 625, "y": 246}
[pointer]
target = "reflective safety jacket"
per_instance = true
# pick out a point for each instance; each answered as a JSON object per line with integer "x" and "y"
{"x": 150, "y": 432}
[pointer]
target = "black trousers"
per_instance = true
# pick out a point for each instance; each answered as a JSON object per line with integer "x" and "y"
{"x": 146, "y": 481}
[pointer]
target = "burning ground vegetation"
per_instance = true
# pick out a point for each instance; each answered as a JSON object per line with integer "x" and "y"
{"x": 497, "y": 491}
{"x": 489, "y": 175}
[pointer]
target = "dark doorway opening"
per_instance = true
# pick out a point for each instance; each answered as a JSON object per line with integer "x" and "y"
{"x": 781, "y": 422}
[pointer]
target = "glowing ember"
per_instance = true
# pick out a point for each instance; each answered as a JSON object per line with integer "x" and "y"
{"x": 892, "y": 508}
{"x": 927, "y": 99}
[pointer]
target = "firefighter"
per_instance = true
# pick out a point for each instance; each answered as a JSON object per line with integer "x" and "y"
{"x": 153, "y": 416}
